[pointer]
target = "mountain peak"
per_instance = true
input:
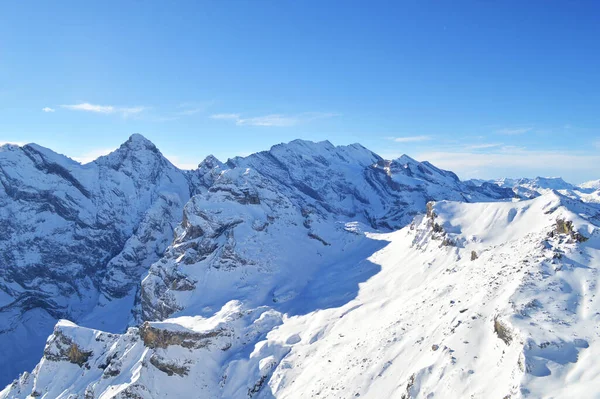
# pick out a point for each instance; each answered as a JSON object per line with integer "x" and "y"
{"x": 135, "y": 146}
{"x": 304, "y": 145}
{"x": 137, "y": 141}
{"x": 326, "y": 150}
{"x": 593, "y": 184}
{"x": 138, "y": 155}
{"x": 10, "y": 146}
{"x": 210, "y": 162}
{"x": 405, "y": 159}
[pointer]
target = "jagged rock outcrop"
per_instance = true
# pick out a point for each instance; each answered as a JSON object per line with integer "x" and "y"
{"x": 164, "y": 354}
{"x": 566, "y": 227}
{"x": 161, "y": 338}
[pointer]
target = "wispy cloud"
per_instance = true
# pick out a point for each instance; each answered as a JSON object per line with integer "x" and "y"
{"x": 193, "y": 108}
{"x": 101, "y": 109}
{"x": 126, "y": 112}
{"x": 48, "y": 109}
{"x": 268, "y": 120}
{"x": 226, "y": 116}
{"x": 191, "y": 111}
{"x": 105, "y": 109}
{"x": 483, "y": 146}
{"x": 514, "y": 131}
{"x": 275, "y": 120}
{"x": 410, "y": 139}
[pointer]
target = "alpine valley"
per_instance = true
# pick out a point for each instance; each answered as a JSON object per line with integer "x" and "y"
{"x": 305, "y": 271}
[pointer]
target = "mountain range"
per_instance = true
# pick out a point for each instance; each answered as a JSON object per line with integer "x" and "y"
{"x": 308, "y": 270}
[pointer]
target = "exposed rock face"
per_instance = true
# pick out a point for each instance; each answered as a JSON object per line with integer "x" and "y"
{"x": 62, "y": 348}
{"x": 437, "y": 230}
{"x": 166, "y": 354}
{"x": 159, "y": 338}
{"x": 168, "y": 368}
{"x": 502, "y": 331}
{"x": 566, "y": 227}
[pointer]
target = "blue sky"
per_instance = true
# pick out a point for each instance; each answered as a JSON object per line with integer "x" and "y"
{"x": 484, "y": 88}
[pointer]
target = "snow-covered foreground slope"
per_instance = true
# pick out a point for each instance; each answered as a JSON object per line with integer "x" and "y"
{"x": 477, "y": 302}
{"x": 482, "y": 300}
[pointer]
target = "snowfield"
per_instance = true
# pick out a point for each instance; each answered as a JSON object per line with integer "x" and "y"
{"x": 475, "y": 300}
{"x": 314, "y": 271}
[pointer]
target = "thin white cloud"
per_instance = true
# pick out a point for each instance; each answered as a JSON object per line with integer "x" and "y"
{"x": 104, "y": 109}
{"x": 161, "y": 119}
{"x": 483, "y": 146}
{"x": 410, "y": 139}
{"x": 101, "y": 109}
{"x": 191, "y": 111}
{"x": 268, "y": 120}
{"x": 514, "y": 131}
{"x": 187, "y": 109}
{"x": 48, "y": 109}
{"x": 126, "y": 112}
{"x": 226, "y": 116}
{"x": 275, "y": 120}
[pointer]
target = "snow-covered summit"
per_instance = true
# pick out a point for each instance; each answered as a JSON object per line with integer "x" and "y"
{"x": 593, "y": 184}
{"x": 531, "y": 188}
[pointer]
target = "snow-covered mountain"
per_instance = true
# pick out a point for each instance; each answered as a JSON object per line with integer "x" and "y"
{"x": 76, "y": 239}
{"x": 308, "y": 270}
{"x": 593, "y": 184}
{"x": 531, "y": 188}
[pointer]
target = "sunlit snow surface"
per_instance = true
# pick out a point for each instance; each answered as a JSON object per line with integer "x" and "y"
{"x": 520, "y": 320}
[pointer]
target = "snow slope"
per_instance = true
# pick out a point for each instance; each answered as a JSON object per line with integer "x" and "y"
{"x": 269, "y": 225}
{"x": 483, "y": 300}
